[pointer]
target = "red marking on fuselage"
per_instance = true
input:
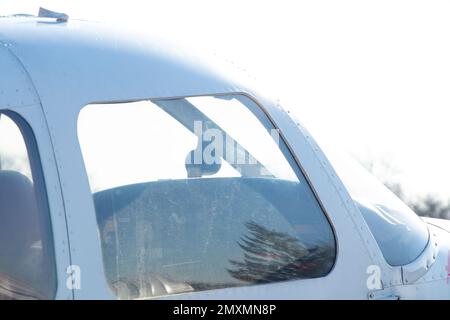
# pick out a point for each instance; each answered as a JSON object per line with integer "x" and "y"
{"x": 448, "y": 266}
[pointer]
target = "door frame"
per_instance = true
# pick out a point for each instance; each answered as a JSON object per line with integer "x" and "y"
{"x": 33, "y": 116}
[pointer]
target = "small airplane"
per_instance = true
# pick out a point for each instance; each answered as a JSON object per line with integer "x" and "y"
{"x": 130, "y": 169}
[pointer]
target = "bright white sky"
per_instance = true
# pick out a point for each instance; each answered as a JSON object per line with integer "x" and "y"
{"x": 373, "y": 75}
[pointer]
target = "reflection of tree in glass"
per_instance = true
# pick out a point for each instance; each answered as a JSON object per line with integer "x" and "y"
{"x": 271, "y": 256}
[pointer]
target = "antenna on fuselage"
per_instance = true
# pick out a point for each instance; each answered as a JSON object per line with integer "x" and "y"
{"x": 59, "y": 16}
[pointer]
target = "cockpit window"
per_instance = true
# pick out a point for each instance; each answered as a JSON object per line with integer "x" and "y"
{"x": 27, "y": 261}
{"x": 400, "y": 233}
{"x": 199, "y": 193}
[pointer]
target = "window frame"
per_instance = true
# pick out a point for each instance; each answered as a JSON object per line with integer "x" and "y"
{"x": 40, "y": 188}
{"x": 287, "y": 151}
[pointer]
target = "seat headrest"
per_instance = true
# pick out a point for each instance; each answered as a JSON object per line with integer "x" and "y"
{"x": 19, "y": 226}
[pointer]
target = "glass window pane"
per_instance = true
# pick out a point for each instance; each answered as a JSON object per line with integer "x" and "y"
{"x": 400, "y": 233}
{"x": 27, "y": 265}
{"x": 199, "y": 193}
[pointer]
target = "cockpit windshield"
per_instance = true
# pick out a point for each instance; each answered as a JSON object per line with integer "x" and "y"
{"x": 400, "y": 233}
